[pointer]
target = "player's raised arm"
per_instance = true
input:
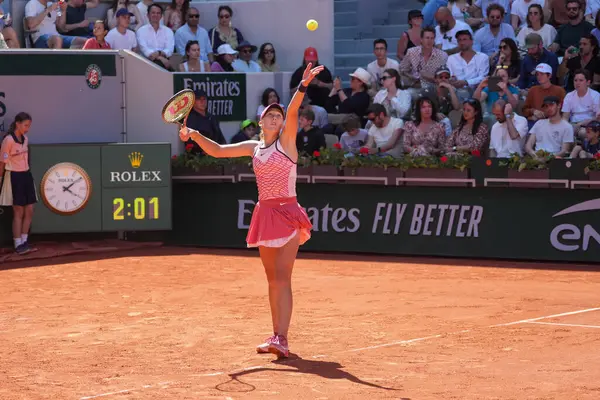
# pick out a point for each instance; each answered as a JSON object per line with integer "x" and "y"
{"x": 214, "y": 149}
{"x": 291, "y": 124}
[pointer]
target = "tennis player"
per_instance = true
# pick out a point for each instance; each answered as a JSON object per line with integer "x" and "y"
{"x": 279, "y": 225}
{"x": 18, "y": 188}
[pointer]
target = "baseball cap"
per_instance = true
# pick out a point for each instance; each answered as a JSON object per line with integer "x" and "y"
{"x": 200, "y": 93}
{"x": 273, "y": 106}
{"x": 551, "y": 100}
{"x": 544, "y": 68}
{"x": 533, "y": 40}
{"x": 225, "y": 49}
{"x": 594, "y": 125}
{"x": 441, "y": 70}
{"x": 310, "y": 54}
{"x": 123, "y": 11}
{"x": 247, "y": 123}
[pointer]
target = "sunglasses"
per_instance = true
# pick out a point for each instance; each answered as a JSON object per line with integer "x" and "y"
{"x": 246, "y": 51}
{"x": 501, "y": 66}
{"x": 572, "y": 8}
{"x": 503, "y": 47}
{"x": 194, "y": 16}
{"x": 534, "y": 13}
{"x": 385, "y": 78}
{"x": 269, "y": 51}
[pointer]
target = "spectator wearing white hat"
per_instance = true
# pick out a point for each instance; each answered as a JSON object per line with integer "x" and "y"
{"x": 224, "y": 59}
{"x": 352, "y": 100}
{"x": 469, "y": 67}
{"x": 532, "y": 109}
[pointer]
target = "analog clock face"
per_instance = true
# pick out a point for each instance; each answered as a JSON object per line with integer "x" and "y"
{"x": 66, "y": 188}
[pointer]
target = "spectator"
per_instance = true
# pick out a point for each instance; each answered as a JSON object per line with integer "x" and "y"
{"x": 596, "y": 30}
{"x": 354, "y": 137}
{"x": 41, "y": 18}
{"x": 583, "y": 104}
{"x": 591, "y": 144}
{"x": 381, "y": 63}
{"x": 193, "y": 31}
{"x": 267, "y": 60}
{"x": 319, "y": 87}
{"x": 536, "y": 24}
{"x": 201, "y": 120}
{"x": 520, "y": 8}
{"x": 553, "y": 135}
{"x": 460, "y": 10}
{"x": 3, "y": 45}
{"x": 508, "y": 133}
{"x": 142, "y": 7}
{"x": 586, "y": 58}
{"x": 135, "y": 16}
{"x": 353, "y": 100}
{"x": 248, "y": 130}
{"x": 269, "y": 96}
{"x": 468, "y": 67}
{"x": 479, "y": 9}
{"x": 412, "y": 37}
{"x": 504, "y": 91}
{"x": 72, "y": 21}
{"x": 6, "y": 30}
{"x": 471, "y": 133}
{"x": 532, "y": 109}
{"x": 245, "y": 63}
{"x": 192, "y": 57}
{"x": 156, "y": 41}
{"x": 420, "y": 64}
{"x": 536, "y": 54}
{"x": 425, "y": 136}
{"x": 122, "y": 38}
{"x": 558, "y": 8}
{"x": 508, "y": 59}
{"x": 569, "y": 34}
{"x": 446, "y": 93}
{"x": 397, "y": 102}
{"x": 429, "y": 10}
{"x": 224, "y": 32}
{"x": 176, "y": 14}
{"x": 385, "y": 135}
{"x": 309, "y": 138}
{"x": 321, "y": 117}
{"x": 591, "y": 10}
{"x": 98, "y": 42}
{"x": 225, "y": 57}
{"x": 489, "y": 37}
{"x": 445, "y": 32}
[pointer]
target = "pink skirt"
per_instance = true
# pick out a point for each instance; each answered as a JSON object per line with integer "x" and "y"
{"x": 276, "y": 221}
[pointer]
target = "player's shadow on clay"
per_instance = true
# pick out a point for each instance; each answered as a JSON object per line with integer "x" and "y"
{"x": 324, "y": 369}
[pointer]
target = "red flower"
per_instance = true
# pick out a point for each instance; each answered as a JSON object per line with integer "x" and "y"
{"x": 337, "y": 146}
{"x": 189, "y": 147}
{"x": 597, "y": 156}
{"x": 444, "y": 159}
{"x": 174, "y": 157}
{"x": 316, "y": 153}
{"x": 488, "y": 163}
{"x": 476, "y": 153}
{"x": 364, "y": 150}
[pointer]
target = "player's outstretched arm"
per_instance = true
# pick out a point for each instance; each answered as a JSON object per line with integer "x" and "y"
{"x": 214, "y": 149}
{"x": 291, "y": 121}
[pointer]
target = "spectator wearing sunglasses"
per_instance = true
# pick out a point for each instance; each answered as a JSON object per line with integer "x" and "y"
{"x": 245, "y": 63}
{"x": 489, "y": 37}
{"x": 397, "y": 102}
{"x": 446, "y": 30}
{"x": 193, "y": 31}
{"x": 569, "y": 34}
{"x": 266, "y": 58}
{"x": 519, "y": 9}
{"x": 536, "y": 23}
{"x": 225, "y": 32}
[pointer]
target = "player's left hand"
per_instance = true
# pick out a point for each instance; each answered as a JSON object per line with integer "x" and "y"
{"x": 310, "y": 73}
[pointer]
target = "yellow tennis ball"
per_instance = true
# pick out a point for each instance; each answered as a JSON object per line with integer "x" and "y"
{"x": 312, "y": 25}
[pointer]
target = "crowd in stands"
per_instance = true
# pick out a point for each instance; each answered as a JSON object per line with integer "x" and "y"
{"x": 493, "y": 76}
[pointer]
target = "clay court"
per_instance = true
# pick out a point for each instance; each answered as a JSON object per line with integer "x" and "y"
{"x": 177, "y": 323}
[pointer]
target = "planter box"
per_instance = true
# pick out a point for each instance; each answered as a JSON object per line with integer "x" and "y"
{"x": 236, "y": 169}
{"x": 215, "y": 170}
{"x": 437, "y": 173}
{"x": 593, "y": 176}
{"x": 392, "y": 174}
{"x": 326, "y": 170}
{"x": 529, "y": 174}
{"x": 366, "y": 172}
{"x": 302, "y": 172}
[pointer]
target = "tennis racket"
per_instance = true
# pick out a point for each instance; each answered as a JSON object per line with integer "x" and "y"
{"x": 178, "y": 107}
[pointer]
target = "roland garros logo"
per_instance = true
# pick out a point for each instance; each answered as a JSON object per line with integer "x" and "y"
{"x": 569, "y": 237}
{"x": 93, "y": 76}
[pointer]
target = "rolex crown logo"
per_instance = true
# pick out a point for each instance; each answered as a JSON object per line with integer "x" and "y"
{"x": 135, "y": 159}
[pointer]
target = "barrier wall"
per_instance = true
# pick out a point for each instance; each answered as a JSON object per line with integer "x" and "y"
{"x": 281, "y": 22}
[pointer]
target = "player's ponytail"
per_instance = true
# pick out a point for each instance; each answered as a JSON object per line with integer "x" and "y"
{"x": 20, "y": 117}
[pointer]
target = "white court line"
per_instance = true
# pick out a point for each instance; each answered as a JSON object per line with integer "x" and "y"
{"x": 546, "y": 317}
{"x": 558, "y": 324}
{"x": 395, "y": 343}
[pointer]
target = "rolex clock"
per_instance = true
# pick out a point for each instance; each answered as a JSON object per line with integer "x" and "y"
{"x": 66, "y": 188}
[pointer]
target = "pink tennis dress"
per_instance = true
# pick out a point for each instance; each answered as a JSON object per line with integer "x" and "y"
{"x": 277, "y": 217}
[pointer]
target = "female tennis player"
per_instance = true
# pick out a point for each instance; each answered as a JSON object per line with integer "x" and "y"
{"x": 279, "y": 225}
{"x": 18, "y": 189}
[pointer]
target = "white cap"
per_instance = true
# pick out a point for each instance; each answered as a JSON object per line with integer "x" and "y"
{"x": 226, "y": 49}
{"x": 544, "y": 68}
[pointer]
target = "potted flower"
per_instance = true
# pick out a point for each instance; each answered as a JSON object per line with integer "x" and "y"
{"x": 236, "y": 166}
{"x": 327, "y": 162}
{"x": 366, "y": 165}
{"x": 528, "y": 167}
{"x": 593, "y": 169}
{"x": 189, "y": 164}
{"x": 454, "y": 166}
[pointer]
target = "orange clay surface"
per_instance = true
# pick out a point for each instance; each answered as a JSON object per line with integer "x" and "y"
{"x": 173, "y": 323}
